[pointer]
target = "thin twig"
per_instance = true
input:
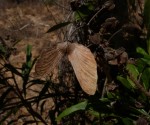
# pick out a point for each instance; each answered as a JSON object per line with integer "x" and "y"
{"x": 24, "y": 26}
{"x": 140, "y": 5}
{"x": 75, "y": 31}
{"x": 61, "y": 5}
{"x": 26, "y": 103}
{"x": 114, "y": 35}
{"x": 58, "y": 33}
{"x": 104, "y": 87}
{"x": 34, "y": 99}
{"x": 108, "y": 4}
{"x": 95, "y": 16}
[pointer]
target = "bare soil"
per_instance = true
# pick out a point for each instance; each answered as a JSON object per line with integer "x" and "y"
{"x": 28, "y": 22}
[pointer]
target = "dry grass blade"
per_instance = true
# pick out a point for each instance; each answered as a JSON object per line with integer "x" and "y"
{"x": 84, "y": 66}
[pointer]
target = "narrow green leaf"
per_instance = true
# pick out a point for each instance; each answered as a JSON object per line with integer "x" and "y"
{"x": 133, "y": 70}
{"x": 84, "y": 11}
{"x": 90, "y": 5}
{"x": 141, "y": 51}
{"x": 146, "y": 60}
{"x": 143, "y": 112}
{"x": 29, "y": 48}
{"x": 140, "y": 65}
{"x": 2, "y": 49}
{"x": 131, "y": 82}
{"x": 26, "y": 67}
{"x": 105, "y": 100}
{"x": 94, "y": 113}
{"x": 57, "y": 26}
{"x": 110, "y": 95}
{"x": 72, "y": 109}
{"x": 124, "y": 82}
{"x": 79, "y": 15}
{"x": 127, "y": 121}
{"x": 146, "y": 79}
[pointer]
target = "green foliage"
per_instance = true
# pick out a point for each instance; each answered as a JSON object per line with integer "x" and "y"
{"x": 26, "y": 67}
{"x": 126, "y": 83}
{"x": 72, "y": 109}
{"x": 84, "y": 11}
{"x": 2, "y": 49}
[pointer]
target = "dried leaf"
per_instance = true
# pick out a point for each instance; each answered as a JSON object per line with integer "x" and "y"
{"x": 58, "y": 26}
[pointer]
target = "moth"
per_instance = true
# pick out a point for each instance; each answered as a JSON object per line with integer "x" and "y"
{"x": 81, "y": 59}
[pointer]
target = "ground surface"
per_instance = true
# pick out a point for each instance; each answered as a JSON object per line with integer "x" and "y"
{"x": 27, "y": 22}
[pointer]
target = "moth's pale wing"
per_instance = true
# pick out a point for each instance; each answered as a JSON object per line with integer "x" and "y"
{"x": 47, "y": 61}
{"x": 85, "y": 67}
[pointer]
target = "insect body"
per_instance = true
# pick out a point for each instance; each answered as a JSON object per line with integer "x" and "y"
{"x": 82, "y": 61}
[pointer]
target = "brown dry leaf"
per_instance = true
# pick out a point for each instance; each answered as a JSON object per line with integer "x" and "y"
{"x": 85, "y": 67}
{"x": 96, "y": 39}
